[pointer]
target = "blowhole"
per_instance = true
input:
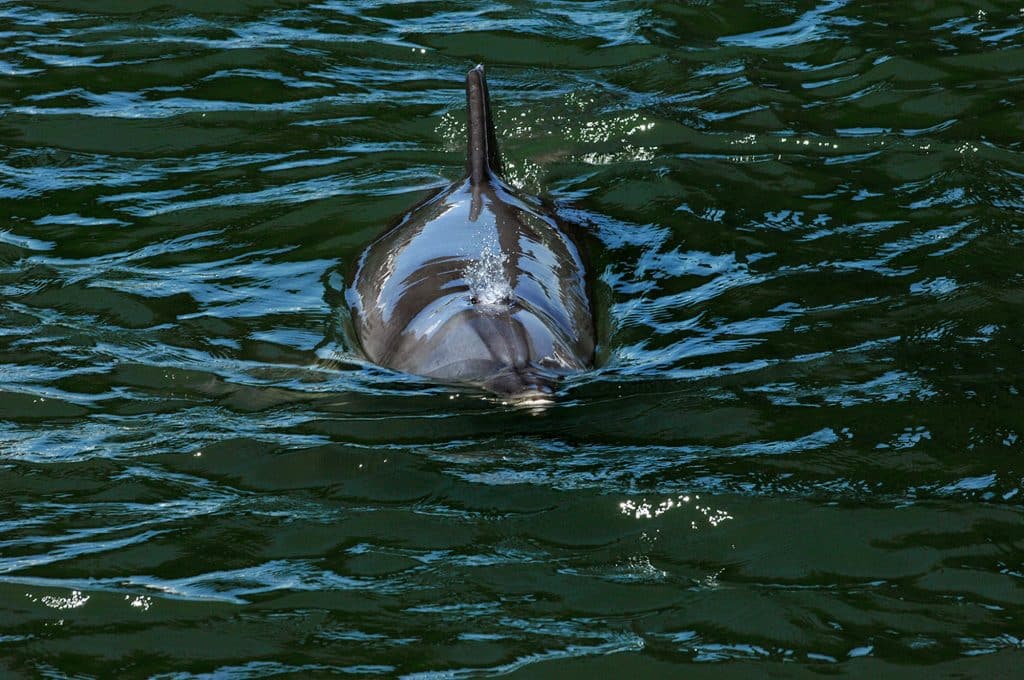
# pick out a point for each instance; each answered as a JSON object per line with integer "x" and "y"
{"x": 504, "y": 301}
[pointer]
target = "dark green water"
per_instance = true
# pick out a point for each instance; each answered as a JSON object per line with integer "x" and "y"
{"x": 802, "y": 453}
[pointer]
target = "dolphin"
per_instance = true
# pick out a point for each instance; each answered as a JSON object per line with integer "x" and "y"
{"x": 477, "y": 285}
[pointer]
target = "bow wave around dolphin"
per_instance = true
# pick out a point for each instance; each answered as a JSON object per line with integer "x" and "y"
{"x": 478, "y": 284}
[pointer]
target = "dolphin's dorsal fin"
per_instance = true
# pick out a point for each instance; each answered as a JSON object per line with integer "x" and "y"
{"x": 482, "y": 158}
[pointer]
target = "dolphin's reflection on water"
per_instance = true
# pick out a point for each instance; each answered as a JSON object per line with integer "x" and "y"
{"x": 478, "y": 284}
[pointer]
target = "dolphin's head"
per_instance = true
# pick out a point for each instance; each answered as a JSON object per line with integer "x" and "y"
{"x": 504, "y": 350}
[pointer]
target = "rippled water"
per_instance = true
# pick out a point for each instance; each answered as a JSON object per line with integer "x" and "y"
{"x": 802, "y": 448}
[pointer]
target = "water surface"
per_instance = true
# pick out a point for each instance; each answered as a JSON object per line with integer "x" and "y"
{"x": 801, "y": 452}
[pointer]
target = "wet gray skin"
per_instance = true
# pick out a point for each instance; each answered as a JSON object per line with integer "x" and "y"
{"x": 478, "y": 284}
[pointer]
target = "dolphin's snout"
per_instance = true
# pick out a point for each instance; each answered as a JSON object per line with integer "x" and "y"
{"x": 520, "y": 382}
